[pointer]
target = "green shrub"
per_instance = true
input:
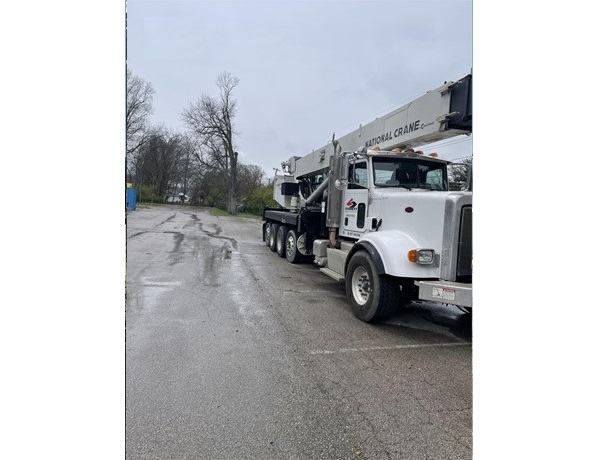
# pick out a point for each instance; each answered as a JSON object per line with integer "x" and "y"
{"x": 259, "y": 198}
{"x": 146, "y": 194}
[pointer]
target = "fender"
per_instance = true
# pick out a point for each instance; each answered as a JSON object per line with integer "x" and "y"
{"x": 389, "y": 251}
{"x": 373, "y": 252}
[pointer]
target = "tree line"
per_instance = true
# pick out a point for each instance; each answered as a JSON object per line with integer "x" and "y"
{"x": 201, "y": 162}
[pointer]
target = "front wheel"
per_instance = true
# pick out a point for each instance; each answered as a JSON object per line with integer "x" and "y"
{"x": 372, "y": 297}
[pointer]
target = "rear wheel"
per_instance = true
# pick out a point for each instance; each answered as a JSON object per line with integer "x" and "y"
{"x": 281, "y": 240}
{"x": 292, "y": 254}
{"x": 273, "y": 234}
{"x": 372, "y": 297}
{"x": 267, "y": 231}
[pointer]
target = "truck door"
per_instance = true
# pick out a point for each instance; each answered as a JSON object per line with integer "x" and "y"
{"x": 355, "y": 201}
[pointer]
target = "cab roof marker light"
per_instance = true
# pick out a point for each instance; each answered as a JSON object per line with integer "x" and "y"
{"x": 433, "y": 154}
{"x": 419, "y": 152}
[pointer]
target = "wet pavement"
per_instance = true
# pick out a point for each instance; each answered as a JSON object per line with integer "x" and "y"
{"x": 233, "y": 353}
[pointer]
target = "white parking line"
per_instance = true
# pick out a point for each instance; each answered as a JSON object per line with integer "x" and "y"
{"x": 393, "y": 347}
{"x": 146, "y": 282}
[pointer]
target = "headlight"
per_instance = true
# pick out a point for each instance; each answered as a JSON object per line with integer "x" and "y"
{"x": 421, "y": 256}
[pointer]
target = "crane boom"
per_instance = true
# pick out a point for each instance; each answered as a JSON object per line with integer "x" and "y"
{"x": 439, "y": 114}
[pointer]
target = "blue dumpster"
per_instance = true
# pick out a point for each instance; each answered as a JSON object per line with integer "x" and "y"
{"x": 131, "y": 199}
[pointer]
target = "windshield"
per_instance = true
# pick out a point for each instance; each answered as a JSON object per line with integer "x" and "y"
{"x": 409, "y": 173}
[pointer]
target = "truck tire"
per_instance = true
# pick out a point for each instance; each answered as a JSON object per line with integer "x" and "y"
{"x": 281, "y": 240}
{"x": 273, "y": 234}
{"x": 372, "y": 297}
{"x": 268, "y": 229}
{"x": 292, "y": 254}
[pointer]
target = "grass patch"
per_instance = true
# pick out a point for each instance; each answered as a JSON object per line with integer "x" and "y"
{"x": 249, "y": 215}
{"x": 220, "y": 212}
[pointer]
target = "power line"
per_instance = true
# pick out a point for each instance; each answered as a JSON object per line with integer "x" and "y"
{"x": 450, "y": 142}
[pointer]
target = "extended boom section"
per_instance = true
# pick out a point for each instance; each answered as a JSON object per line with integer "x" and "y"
{"x": 439, "y": 114}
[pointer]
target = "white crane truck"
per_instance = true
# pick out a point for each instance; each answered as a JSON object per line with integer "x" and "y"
{"x": 374, "y": 213}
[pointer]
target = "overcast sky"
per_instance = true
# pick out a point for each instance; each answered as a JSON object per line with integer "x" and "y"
{"x": 307, "y": 69}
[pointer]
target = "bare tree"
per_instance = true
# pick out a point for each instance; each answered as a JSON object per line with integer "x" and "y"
{"x": 139, "y": 99}
{"x": 189, "y": 168}
{"x": 160, "y": 162}
{"x": 212, "y": 121}
{"x": 250, "y": 177}
{"x": 460, "y": 174}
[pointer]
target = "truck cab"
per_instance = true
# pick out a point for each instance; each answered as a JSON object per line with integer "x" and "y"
{"x": 376, "y": 177}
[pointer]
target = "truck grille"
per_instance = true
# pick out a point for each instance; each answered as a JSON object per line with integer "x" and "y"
{"x": 464, "y": 270}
